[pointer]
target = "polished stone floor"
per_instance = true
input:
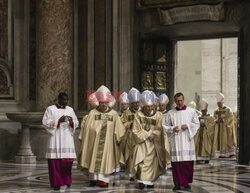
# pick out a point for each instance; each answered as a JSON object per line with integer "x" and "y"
{"x": 220, "y": 176}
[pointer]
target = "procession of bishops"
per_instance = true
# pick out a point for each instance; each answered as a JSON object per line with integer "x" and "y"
{"x": 144, "y": 139}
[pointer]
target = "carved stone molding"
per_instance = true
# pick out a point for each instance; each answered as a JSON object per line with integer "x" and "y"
{"x": 149, "y": 4}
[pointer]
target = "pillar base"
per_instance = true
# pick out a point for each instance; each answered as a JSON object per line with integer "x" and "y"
{"x": 23, "y": 159}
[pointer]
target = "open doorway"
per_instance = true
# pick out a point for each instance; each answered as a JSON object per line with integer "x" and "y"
{"x": 206, "y": 67}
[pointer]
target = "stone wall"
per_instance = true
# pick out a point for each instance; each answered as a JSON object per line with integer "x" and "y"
{"x": 211, "y": 67}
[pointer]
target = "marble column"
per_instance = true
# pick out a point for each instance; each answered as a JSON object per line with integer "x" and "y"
{"x": 123, "y": 68}
{"x": 54, "y": 51}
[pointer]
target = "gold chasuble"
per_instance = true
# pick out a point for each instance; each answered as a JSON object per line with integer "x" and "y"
{"x": 121, "y": 112}
{"x": 82, "y": 127}
{"x": 101, "y": 134}
{"x": 166, "y": 141}
{"x": 80, "y": 137}
{"x": 127, "y": 144}
{"x": 149, "y": 157}
{"x": 204, "y": 138}
{"x": 225, "y": 138}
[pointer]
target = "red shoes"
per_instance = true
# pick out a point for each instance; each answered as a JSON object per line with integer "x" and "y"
{"x": 102, "y": 184}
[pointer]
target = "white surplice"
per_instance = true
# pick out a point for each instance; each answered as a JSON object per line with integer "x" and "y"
{"x": 182, "y": 143}
{"x": 61, "y": 141}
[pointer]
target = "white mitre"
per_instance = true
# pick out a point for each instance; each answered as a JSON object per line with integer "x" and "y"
{"x": 155, "y": 98}
{"x": 134, "y": 95}
{"x": 147, "y": 98}
{"x": 203, "y": 104}
{"x": 124, "y": 98}
{"x": 220, "y": 97}
{"x": 192, "y": 105}
{"x": 103, "y": 94}
{"x": 163, "y": 99}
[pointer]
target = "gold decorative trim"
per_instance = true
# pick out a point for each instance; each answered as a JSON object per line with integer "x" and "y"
{"x": 99, "y": 155}
{"x": 104, "y": 117}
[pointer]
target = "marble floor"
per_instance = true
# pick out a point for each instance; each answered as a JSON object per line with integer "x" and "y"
{"x": 220, "y": 176}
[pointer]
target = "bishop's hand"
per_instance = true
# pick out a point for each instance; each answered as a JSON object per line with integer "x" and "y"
{"x": 176, "y": 129}
{"x": 151, "y": 137}
{"x": 61, "y": 119}
{"x": 220, "y": 120}
{"x": 184, "y": 127}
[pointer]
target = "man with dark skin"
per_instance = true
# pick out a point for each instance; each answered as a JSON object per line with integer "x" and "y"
{"x": 63, "y": 102}
{"x": 60, "y": 121}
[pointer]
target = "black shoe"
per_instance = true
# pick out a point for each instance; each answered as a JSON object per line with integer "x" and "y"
{"x": 187, "y": 188}
{"x": 141, "y": 186}
{"x": 131, "y": 179}
{"x": 150, "y": 186}
{"x": 57, "y": 188}
{"x": 69, "y": 185}
{"x": 176, "y": 188}
{"x": 92, "y": 182}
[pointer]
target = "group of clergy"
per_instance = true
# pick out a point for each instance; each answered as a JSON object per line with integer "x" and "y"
{"x": 132, "y": 138}
{"x": 217, "y": 135}
{"x": 143, "y": 138}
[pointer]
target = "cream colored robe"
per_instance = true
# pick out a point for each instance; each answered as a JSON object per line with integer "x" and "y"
{"x": 224, "y": 141}
{"x": 204, "y": 138}
{"x": 80, "y": 137}
{"x": 149, "y": 158}
{"x": 121, "y": 112}
{"x": 167, "y": 144}
{"x": 102, "y": 131}
{"x": 127, "y": 145}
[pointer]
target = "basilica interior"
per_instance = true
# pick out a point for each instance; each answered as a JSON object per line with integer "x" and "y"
{"x": 198, "y": 47}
